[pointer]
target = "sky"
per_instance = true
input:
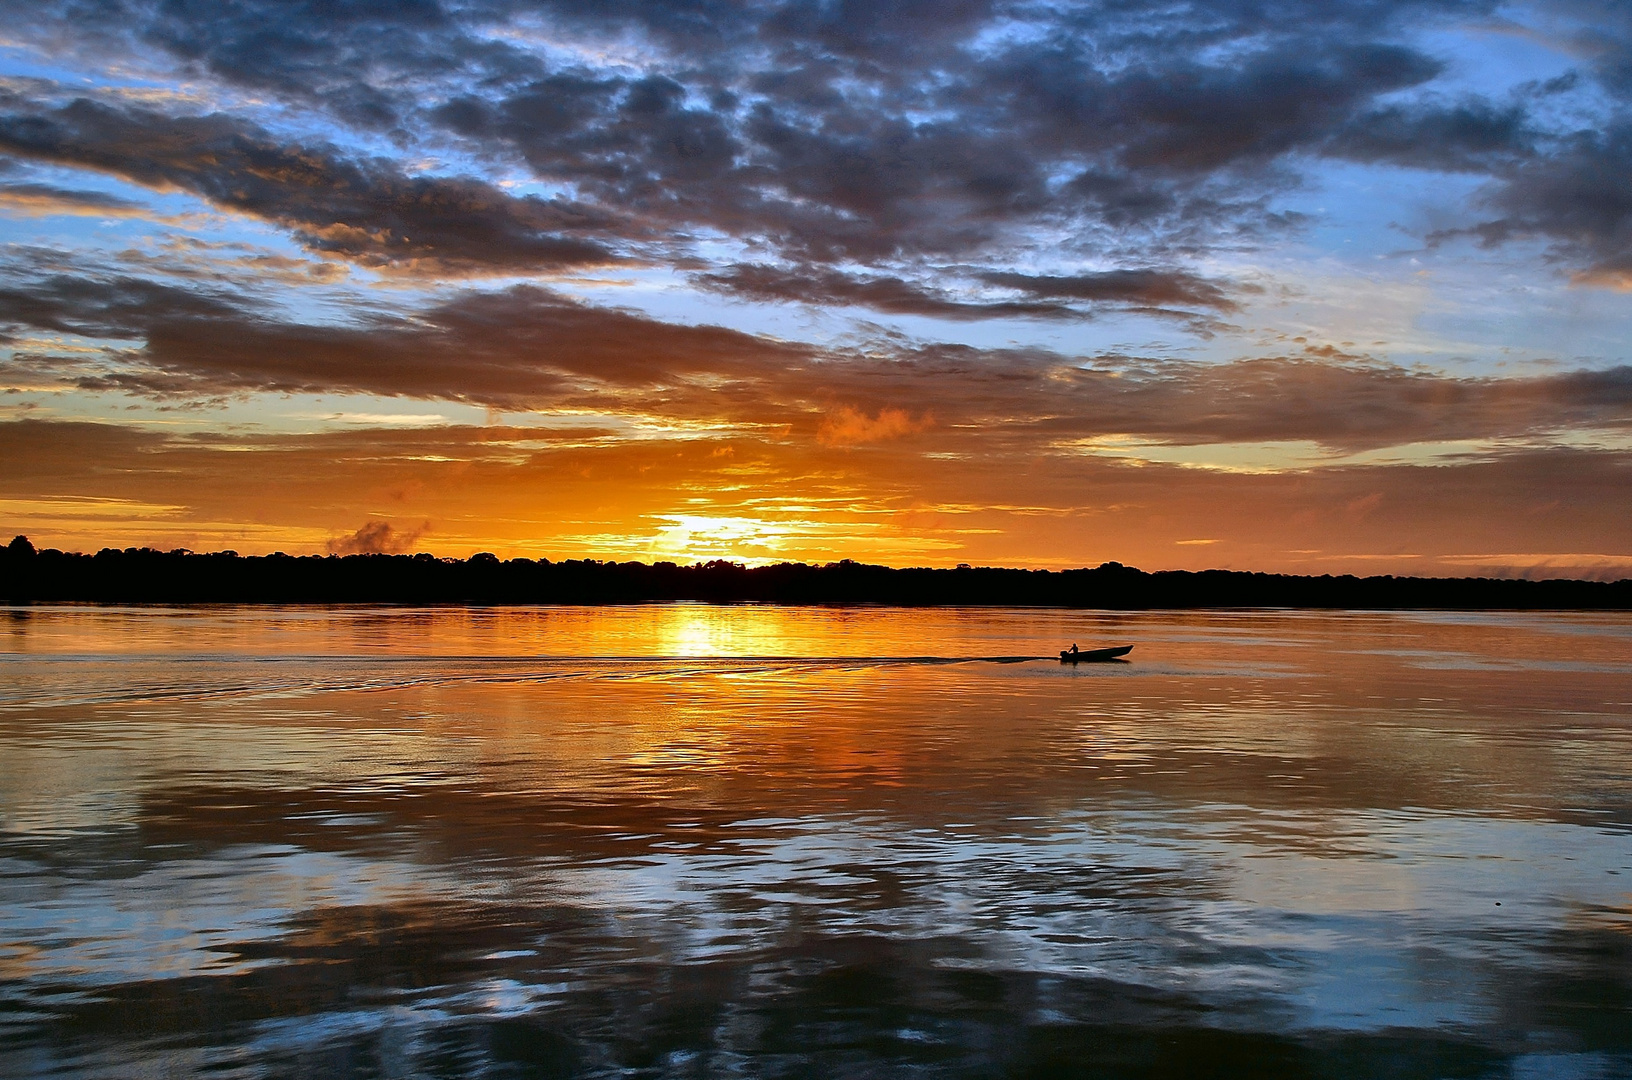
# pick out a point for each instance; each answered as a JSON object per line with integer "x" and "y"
{"x": 1310, "y": 286}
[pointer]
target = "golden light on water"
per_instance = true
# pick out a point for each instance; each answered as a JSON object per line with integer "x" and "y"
{"x": 700, "y": 631}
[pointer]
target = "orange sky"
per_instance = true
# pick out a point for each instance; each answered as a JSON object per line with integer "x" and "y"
{"x": 914, "y": 498}
{"x": 918, "y": 285}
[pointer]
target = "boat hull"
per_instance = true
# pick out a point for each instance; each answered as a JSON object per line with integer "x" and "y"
{"x": 1094, "y": 656}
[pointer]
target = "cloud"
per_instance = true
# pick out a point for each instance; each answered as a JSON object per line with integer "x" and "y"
{"x": 1174, "y": 115}
{"x": 520, "y": 348}
{"x": 110, "y": 307}
{"x": 526, "y": 348}
{"x": 886, "y": 135}
{"x": 1597, "y": 33}
{"x": 45, "y": 199}
{"x": 362, "y": 61}
{"x": 1056, "y": 297}
{"x": 892, "y": 139}
{"x": 1533, "y": 564}
{"x": 1576, "y": 197}
{"x": 367, "y": 210}
{"x": 1474, "y": 136}
{"x": 891, "y": 295}
{"x": 377, "y": 538}
{"x": 847, "y": 426}
{"x": 1140, "y": 287}
{"x": 1002, "y": 502}
{"x": 962, "y": 160}
{"x": 248, "y": 267}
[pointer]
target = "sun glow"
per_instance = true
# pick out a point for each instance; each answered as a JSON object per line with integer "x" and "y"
{"x": 698, "y": 537}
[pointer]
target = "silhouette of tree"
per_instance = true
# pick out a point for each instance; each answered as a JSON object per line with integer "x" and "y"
{"x": 144, "y": 575}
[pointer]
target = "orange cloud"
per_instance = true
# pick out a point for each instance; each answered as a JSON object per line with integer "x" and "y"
{"x": 851, "y": 427}
{"x": 527, "y": 491}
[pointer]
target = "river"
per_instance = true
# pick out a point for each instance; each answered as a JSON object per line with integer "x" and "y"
{"x": 688, "y": 840}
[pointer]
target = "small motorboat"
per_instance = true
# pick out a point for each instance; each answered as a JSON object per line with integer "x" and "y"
{"x": 1092, "y": 656}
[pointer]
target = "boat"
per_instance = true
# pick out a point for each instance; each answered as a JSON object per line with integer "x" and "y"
{"x": 1091, "y": 656}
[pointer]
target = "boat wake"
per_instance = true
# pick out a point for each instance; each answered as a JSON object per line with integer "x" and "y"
{"x": 80, "y": 679}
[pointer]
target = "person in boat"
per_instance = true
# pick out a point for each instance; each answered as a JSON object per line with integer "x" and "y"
{"x": 1073, "y": 648}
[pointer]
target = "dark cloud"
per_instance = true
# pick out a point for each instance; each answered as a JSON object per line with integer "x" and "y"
{"x": 529, "y": 349}
{"x": 823, "y": 171}
{"x": 1011, "y": 400}
{"x": 522, "y": 348}
{"x": 822, "y": 132}
{"x": 1598, "y": 33}
{"x": 48, "y": 198}
{"x": 368, "y": 211}
{"x": 117, "y": 307}
{"x": 365, "y": 61}
{"x": 891, "y": 295}
{"x": 1185, "y": 117}
{"x": 1579, "y": 198}
{"x": 894, "y": 136}
{"x": 1053, "y": 297}
{"x": 1143, "y": 288}
{"x": 377, "y": 538}
{"x": 1351, "y": 406}
{"x": 1473, "y": 137}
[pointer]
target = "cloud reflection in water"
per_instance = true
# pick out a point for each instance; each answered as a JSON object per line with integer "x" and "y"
{"x": 400, "y": 845}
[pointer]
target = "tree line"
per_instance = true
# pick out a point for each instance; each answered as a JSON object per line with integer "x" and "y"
{"x": 145, "y": 575}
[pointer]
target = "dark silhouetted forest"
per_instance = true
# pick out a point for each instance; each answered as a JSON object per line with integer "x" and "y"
{"x": 142, "y": 575}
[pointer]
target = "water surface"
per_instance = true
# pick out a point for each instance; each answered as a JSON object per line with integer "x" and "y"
{"x": 698, "y": 841}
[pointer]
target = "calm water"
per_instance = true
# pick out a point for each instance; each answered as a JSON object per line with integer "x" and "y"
{"x": 706, "y": 841}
